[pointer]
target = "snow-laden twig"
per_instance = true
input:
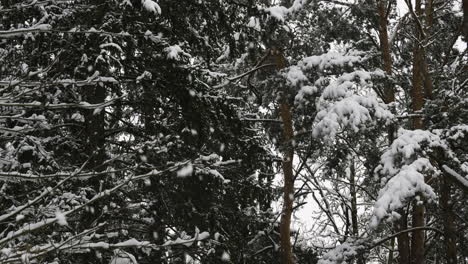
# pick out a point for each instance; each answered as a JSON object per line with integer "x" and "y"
{"x": 75, "y": 243}
{"x": 39, "y": 251}
{"x": 82, "y": 105}
{"x": 64, "y": 82}
{"x": 5, "y": 176}
{"x": 46, "y": 222}
{"x": 41, "y": 196}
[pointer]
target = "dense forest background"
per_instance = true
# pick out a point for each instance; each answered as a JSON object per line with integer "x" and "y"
{"x": 194, "y": 131}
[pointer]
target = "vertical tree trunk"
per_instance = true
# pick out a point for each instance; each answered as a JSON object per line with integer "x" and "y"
{"x": 417, "y": 242}
{"x": 448, "y": 220}
{"x": 288, "y": 195}
{"x": 385, "y": 48}
{"x": 403, "y": 239}
{"x": 389, "y": 92}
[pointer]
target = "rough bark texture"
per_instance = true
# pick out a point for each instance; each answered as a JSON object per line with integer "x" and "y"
{"x": 288, "y": 195}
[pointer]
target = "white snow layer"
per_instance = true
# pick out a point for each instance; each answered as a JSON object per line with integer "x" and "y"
{"x": 405, "y": 167}
{"x": 151, "y": 6}
{"x": 280, "y": 12}
{"x": 340, "y": 254}
{"x": 352, "y": 112}
{"x": 331, "y": 59}
{"x": 185, "y": 171}
{"x": 339, "y": 108}
{"x": 175, "y": 52}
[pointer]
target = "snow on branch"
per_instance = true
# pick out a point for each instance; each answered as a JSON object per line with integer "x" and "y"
{"x": 46, "y": 28}
{"x": 28, "y": 228}
{"x": 351, "y": 112}
{"x": 342, "y": 253}
{"x": 353, "y": 248}
{"x": 21, "y": 31}
{"x": 175, "y": 52}
{"x": 341, "y": 87}
{"x": 404, "y": 167}
{"x": 408, "y": 144}
{"x": 281, "y": 12}
{"x": 82, "y": 105}
{"x": 46, "y": 192}
{"x": 80, "y": 242}
{"x": 295, "y": 74}
{"x": 151, "y": 6}
{"x": 16, "y": 176}
{"x": 332, "y": 59}
{"x": 339, "y": 108}
{"x": 460, "y": 179}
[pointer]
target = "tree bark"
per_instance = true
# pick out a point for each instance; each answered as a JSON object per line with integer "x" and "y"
{"x": 385, "y": 48}
{"x": 403, "y": 238}
{"x": 389, "y": 92}
{"x": 417, "y": 241}
{"x": 288, "y": 191}
{"x": 449, "y": 221}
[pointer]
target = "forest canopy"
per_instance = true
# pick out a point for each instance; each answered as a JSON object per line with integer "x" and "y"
{"x": 233, "y": 131}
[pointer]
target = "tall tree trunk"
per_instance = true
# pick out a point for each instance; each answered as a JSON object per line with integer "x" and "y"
{"x": 389, "y": 92}
{"x": 403, "y": 239}
{"x": 449, "y": 221}
{"x": 288, "y": 195}
{"x": 417, "y": 242}
{"x": 385, "y": 48}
